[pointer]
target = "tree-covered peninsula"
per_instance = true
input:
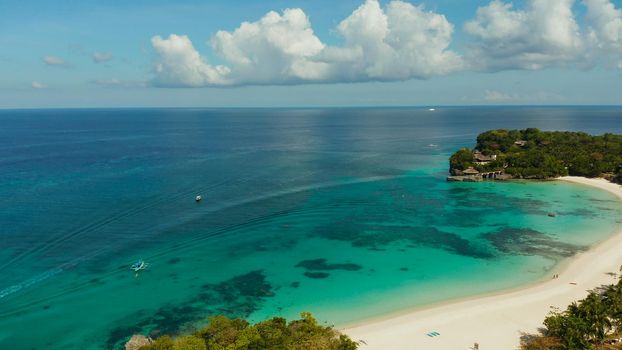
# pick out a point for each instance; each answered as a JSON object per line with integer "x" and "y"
{"x": 535, "y": 154}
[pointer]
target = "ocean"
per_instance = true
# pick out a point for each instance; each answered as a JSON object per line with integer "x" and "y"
{"x": 342, "y": 212}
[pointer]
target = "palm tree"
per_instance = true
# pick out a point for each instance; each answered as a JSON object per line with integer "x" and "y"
{"x": 612, "y": 298}
{"x": 595, "y": 311}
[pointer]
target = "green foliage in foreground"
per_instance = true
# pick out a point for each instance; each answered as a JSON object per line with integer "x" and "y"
{"x": 587, "y": 324}
{"x": 223, "y": 333}
{"x": 543, "y": 154}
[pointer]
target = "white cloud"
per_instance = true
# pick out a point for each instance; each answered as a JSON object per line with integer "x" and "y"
{"x": 545, "y": 33}
{"x": 99, "y": 57}
{"x": 54, "y": 61}
{"x": 181, "y": 65}
{"x": 276, "y": 49}
{"x": 119, "y": 83}
{"x": 495, "y": 96}
{"x": 398, "y": 42}
{"x": 604, "y": 30}
{"x": 38, "y": 85}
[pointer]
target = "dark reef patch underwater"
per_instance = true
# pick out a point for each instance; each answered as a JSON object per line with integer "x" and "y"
{"x": 322, "y": 264}
{"x": 531, "y": 242}
{"x": 237, "y": 297}
{"x": 373, "y": 236}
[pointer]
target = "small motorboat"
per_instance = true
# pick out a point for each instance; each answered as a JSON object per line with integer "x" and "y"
{"x": 139, "y": 266}
{"x": 198, "y": 198}
{"x": 431, "y": 109}
{"x": 552, "y": 215}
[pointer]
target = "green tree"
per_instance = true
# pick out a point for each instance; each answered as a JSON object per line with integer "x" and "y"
{"x": 273, "y": 333}
{"x": 570, "y": 329}
{"x": 612, "y": 299}
{"x": 462, "y": 159}
{"x": 162, "y": 343}
{"x": 223, "y": 333}
{"x": 595, "y": 312}
{"x": 189, "y": 342}
{"x": 546, "y": 154}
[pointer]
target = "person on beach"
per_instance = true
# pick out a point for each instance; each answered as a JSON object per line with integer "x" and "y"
{"x": 476, "y": 346}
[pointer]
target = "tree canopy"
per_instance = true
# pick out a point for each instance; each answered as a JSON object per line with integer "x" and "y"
{"x": 223, "y": 333}
{"x": 536, "y": 154}
{"x": 586, "y": 324}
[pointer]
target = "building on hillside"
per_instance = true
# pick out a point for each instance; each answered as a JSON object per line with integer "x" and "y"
{"x": 482, "y": 159}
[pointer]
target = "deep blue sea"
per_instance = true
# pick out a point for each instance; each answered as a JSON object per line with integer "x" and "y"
{"x": 342, "y": 212}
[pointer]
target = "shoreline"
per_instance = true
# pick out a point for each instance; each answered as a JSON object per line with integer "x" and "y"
{"x": 496, "y": 320}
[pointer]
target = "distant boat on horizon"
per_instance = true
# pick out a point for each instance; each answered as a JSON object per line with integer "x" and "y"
{"x": 431, "y": 109}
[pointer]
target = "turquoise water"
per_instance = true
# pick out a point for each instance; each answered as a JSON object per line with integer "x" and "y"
{"x": 345, "y": 213}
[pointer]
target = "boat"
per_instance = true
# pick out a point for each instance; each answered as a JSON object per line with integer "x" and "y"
{"x": 198, "y": 198}
{"x": 139, "y": 265}
{"x": 552, "y": 215}
{"x": 431, "y": 109}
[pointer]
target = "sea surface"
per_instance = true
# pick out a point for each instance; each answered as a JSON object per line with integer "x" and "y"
{"x": 342, "y": 212}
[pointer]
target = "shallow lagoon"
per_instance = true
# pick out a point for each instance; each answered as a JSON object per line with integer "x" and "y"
{"x": 347, "y": 217}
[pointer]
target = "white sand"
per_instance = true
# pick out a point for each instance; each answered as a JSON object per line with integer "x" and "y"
{"x": 496, "y": 322}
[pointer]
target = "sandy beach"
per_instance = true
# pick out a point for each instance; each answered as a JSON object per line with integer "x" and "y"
{"x": 496, "y": 322}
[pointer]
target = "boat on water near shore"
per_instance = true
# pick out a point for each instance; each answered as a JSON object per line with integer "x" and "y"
{"x": 139, "y": 266}
{"x": 198, "y": 198}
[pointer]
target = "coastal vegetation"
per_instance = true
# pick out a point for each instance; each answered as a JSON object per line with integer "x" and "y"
{"x": 535, "y": 154}
{"x": 592, "y": 323}
{"x": 223, "y": 333}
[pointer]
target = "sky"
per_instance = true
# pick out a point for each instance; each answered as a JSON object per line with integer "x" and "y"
{"x": 292, "y": 53}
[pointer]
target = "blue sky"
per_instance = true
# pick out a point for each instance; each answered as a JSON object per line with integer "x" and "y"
{"x": 318, "y": 53}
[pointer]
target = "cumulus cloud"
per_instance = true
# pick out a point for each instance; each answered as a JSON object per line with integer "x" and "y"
{"x": 544, "y": 33}
{"x": 604, "y": 30}
{"x": 279, "y": 48}
{"x": 54, "y": 61}
{"x": 181, "y": 65}
{"x": 38, "y": 85}
{"x": 397, "y": 41}
{"x": 99, "y": 57}
{"x": 400, "y": 41}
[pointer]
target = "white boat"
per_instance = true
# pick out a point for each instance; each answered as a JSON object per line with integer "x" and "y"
{"x": 431, "y": 109}
{"x": 139, "y": 265}
{"x": 198, "y": 198}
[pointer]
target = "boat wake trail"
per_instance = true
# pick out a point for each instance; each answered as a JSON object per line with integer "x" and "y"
{"x": 34, "y": 280}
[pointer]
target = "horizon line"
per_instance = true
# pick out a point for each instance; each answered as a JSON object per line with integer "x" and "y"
{"x": 308, "y": 107}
